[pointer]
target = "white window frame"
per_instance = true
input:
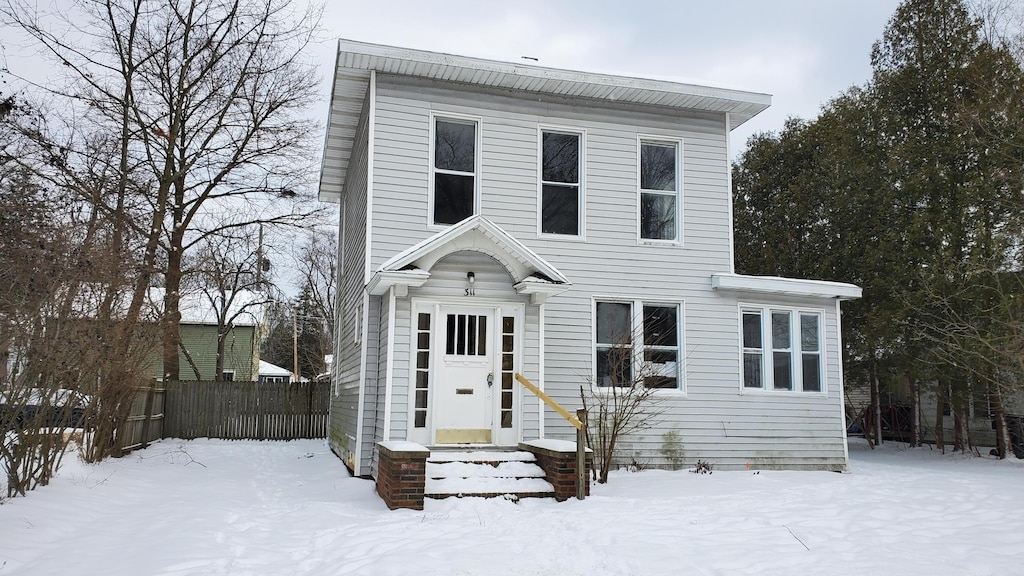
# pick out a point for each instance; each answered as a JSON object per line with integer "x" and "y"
{"x": 642, "y": 139}
{"x": 637, "y": 327}
{"x": 795, "y": 351}
{"x": 581, "y": 225}
{"x": 225, "y": 372}
{"x": 477, "y": 156}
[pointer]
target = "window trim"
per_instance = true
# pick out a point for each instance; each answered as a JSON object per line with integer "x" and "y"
{"x": 796, "y": 352}
{"x": 581, "y": 194}
{"x": 225, "y": 372}
{"x": 638, "y": 343}
{"x": 477, "y": 156}
{"x": 642, "y": 139}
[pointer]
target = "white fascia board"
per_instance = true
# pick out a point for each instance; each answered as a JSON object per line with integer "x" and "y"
{"x": 506, "y": 242}
{"x": 539, "y": 290}
{"x": 785, "y": 286}
{"x": 436, "y": 65}
{"x": 383, "y": 280}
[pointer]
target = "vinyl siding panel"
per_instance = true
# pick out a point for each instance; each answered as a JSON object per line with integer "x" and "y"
{"x": 716, "y": 419}
{"x": 349, "y": 338}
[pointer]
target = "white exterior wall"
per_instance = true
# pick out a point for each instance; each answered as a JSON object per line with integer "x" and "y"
{"x": 716, "y": 419}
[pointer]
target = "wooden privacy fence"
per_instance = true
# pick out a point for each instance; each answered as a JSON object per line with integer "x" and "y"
{"x": 246, "y": 410}
{"x": 145, "y": 422}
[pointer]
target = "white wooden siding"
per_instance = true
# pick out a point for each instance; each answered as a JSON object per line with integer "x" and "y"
{"x": 716, "y": 420}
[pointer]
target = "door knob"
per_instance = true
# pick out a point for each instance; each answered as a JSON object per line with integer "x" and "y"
{"x": 490, "y": 379}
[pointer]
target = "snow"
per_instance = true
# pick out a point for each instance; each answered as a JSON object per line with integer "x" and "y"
{"x": 465, "y": 470}
{"x": 403, "y": 446}
{"x": 553, "y": 445}
{"x": 482, "y": 456}
{"x": 266, "y": 508}
{"x": 488, "y": 485}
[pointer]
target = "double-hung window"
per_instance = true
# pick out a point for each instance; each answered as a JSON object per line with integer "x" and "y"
{"x": 454, "y": 170}
{"x": 560, "y": 173}
{"x": 659, "y": 190}
{"x": 637, "y": 343}
{"x": 782, "y": 349}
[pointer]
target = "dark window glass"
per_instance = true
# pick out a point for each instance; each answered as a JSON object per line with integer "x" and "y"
{"x": 423, "y": 360}
{"x": 751, "y": 330}
{"x": 561, "y": 161}
{"x": 450, "y": 342}
{"x": 471, "y": 335}
{"x": 812, "y": 372}
{"x": 751, "y": 370}
{"x": 421, "y": 419}
{"x": 657, "y": 217}
{"x": 657, "y": 167}
{"x": 460, "y": 343}
{"x": 455, "y": 146}
{"x": 780, "y": 330}
{"x": 482, "y": 327}
{"x": 613, "y": 323}
{"x": 660, "y": 324}
{"x": 424, "y": 321}
{"x": 423, "y": 340}
{"x": 782, "y": 370}
{"x": 454, "y": 198}
{"x": 560, "y": 209}
{"x": 809, "y": 332}
{"x": 614, "y": 359}
{"x": 508, "y": 324}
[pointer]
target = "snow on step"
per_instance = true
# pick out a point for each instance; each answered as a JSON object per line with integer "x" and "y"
{"x": 485, "y": 473}
{"x": 514, "y": 469}
{"x": 482, "y": 457}
{"x": 487, "y": 485}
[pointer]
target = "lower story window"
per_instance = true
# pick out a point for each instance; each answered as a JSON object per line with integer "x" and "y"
{"x": 781, "y": 349}
{"x": 637, "y": 343}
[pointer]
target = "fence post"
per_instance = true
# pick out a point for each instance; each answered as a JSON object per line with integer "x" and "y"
{"x": 581, "y": 455}
{"x": 148, "y": 412}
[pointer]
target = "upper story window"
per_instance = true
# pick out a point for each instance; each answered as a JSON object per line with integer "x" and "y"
{"x": 659, "y": 190}
{"x": 561, "y": 197}
{"x": 637, "y": 343}
{"x": 454, "y": 170}
{"x": 782, "y": 349}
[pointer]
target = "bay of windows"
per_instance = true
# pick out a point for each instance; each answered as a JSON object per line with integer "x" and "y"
{"x": 782, "y": 349}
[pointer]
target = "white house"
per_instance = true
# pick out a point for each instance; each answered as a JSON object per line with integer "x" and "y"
{"x": 501, "y": 218}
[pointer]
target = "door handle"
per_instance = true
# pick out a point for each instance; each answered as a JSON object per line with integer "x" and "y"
{"x": 490, "y": 379}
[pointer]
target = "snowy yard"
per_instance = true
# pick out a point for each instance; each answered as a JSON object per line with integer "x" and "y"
{"x": 290, "y": 508}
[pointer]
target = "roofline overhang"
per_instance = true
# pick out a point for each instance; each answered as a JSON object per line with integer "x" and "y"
{"x": 742, "y": 104}
{"x": 780, "y": 286}
{"x": 399, "y": 280}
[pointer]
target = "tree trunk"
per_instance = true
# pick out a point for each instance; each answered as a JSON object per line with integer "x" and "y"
{"x": 875, "y": 409}
{"x": 172, "y": 311}
{"x": 959, "y": 425}
{"x": 940, "y": 399}
{"x": 1003, "y": 444}
{"x": 915, "y": 412}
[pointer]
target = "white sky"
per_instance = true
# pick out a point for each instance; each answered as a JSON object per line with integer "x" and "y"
{"x": 803, "y": 52}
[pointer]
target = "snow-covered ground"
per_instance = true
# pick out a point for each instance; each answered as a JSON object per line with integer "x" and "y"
{"x": 290, "y": 508}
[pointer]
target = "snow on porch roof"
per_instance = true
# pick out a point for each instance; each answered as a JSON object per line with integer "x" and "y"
{"x": 528, "y": 270}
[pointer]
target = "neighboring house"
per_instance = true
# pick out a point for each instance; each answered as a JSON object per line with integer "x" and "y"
{"x": 199, "y": 330}
{"x": 500, "y": 218}
{"x": 274, "y": 373}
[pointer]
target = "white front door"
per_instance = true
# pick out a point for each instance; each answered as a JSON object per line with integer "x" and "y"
{"x": 464, "y": 396}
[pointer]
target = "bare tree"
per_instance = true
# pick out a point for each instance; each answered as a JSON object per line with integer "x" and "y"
{"x": 204, "y": 102}
{"x": 227, "y": 272}
{"x": 621, "y": 398}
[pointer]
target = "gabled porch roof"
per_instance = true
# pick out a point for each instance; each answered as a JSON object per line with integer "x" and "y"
{"x": 530, "y": 273}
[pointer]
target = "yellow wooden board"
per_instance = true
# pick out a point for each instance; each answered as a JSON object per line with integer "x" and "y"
{"x": 464, "y": 436}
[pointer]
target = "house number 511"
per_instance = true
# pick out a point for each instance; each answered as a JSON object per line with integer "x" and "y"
{"x": 470, "y": 292}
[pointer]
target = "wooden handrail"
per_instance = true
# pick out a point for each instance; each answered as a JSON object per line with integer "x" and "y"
{"x": 549, "y": 401}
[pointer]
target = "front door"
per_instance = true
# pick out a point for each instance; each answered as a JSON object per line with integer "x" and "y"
{"x": 465, "y": 383}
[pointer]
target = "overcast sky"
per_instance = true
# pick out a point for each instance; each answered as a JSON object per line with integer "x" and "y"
{"x": 802, "y": 52}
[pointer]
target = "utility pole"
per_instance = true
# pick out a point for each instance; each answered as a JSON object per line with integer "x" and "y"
{"x": 295, "y": 344}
